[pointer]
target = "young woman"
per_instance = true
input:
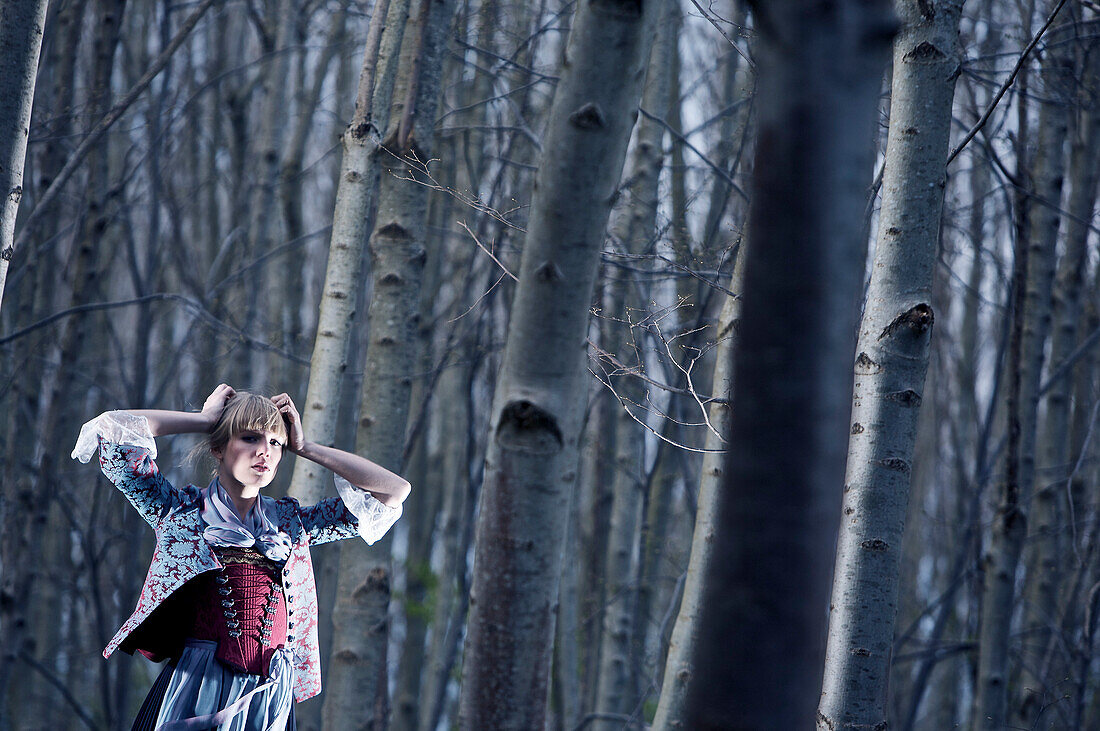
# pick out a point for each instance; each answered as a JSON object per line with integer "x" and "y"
{"x": 230, "y": 600}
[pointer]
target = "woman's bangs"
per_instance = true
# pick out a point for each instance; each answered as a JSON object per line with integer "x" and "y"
{"x": 257, "y": 413}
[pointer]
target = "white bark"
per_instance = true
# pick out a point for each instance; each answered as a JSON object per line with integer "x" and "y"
{"x": 358, "y": 669}
{"x": 530, "y": 464}
{"x": 1037, "y": 223}
{"x": 263, "y": 200}
{"x": 679, "y": 667}
{"x": 1045, "y": 543}
{"x": 633, "y": 228}
{"x": 21, "y": 26}
{"x": 354, "y": 197}
{"x": 890, "y": 367}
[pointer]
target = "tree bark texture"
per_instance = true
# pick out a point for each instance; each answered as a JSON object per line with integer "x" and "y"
{"x": 27, "y": 505}
{"x": 760, "y": 651}
{"x": 1037, "y": 222}
{"x": 21, "y": 27}
{"x": 530, "y": 464}
{"x": 454, "y": 390}
{"x": 679, "y": 667}
{"x": 1044, "y": 544}
{"x": 358, "y": 670}
{"x": 263, "y": 203}
{"x": 1058, "y": 450}
{"x": 354, "y": 197}
{"x": 890, "y": 367}
{"x": 633, "y": 230}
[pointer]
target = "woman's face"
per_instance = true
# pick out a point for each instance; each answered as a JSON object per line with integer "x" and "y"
{"x": 249, "y": 459}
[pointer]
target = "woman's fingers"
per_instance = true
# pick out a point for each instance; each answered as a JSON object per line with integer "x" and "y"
{"x": 286, "y": 407}
{"x": 285, "y": 404}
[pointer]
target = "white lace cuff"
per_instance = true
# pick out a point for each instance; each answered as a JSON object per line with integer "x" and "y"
{"x": 116, "y": 427}
{"x": 375, "y": 518}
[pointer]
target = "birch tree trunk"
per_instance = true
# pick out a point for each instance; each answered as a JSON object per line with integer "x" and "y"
{"x": 354, "y": 197}
{"x": 1033, "y": 272}
{"x": 355, "y": 193}
{"x": 890, "y": 368}
{"x": 633, "y": 228}
{"x": 1044, "y": 544}
{"x": 263, "y": 201}
{"x": 21, "y": 26}
{"x": 759, "y": 654}
{"x": 1057, "y": 445}
{"x": 679, "y": 667}
{"x": 357, "y": 696}
{"x": 531, "y": 459}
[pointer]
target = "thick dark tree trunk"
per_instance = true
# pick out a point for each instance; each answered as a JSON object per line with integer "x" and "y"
{"x": 761, "y": 647}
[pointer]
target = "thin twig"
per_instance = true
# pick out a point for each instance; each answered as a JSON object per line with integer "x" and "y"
{"x": 675, "y": 265}
{"x": 1072, "y": 475}
{"x": 188, "y": 302}
{"x": 56, "y": 682}
{"x": 712, "y": 21}
{"x": 687, "y": 377}
{"x": 491, "y": 255}
{"x": 110, "y": 118}
{"x": 482, "y": 296}
{"x": 647, "y": 427}
{"x": 1008, "y": 83}
{"x": 684, "y": 141}
{"x": 624, "y": 369}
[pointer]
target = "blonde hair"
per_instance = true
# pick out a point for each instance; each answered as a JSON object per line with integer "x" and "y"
{"x": 246, "y": 411}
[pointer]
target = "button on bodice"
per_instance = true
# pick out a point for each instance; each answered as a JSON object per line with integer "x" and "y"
{"x": 242, "y": 608}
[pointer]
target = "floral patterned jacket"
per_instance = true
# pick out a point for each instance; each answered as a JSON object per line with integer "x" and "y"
{"x": 181, "y": 553}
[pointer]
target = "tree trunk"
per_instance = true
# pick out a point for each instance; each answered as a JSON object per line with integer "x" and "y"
{"x": 454, "y": 392}
{"x": 633, "y": 229}
{"x": 21, "y": 26}
{"x": 1058, "y": 77}
{"x": 358, "y": 669}
{"x": 1062, "y": 435}
{"x": 759, "y": 654}
{"x": 25, "y": 504}
{"x": 354, "y": 198}
{"x": 264, "y": 182}
{"x": 1037, "y": 220}
{"x": 679, "y": 667}
{"x": 1047, "y": 544}
{"x": 530, "y": 465}
{"x": 890, "y": 369}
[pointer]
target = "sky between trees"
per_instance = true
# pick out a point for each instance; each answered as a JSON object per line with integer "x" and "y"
{"x": 722, "y": 342}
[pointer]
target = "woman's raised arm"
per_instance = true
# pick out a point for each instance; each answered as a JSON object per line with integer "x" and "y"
{"x": 387, "y": 487}
{"x": 162, "y": 421}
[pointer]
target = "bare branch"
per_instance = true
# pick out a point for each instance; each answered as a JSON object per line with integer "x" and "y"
{"x": 491, "y": 255}
{"x": 80, "y": 711}
{"x": 110, "y": 118}
{"x": 188, "y": 302}
{"x": 1007, "y": 84}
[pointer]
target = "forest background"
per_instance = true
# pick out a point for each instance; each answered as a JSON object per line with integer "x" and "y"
{"x": 519, "y": 252}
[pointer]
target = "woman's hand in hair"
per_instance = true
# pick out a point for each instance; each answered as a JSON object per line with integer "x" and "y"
{"x": 295, "y": 437}
{"x": 215, "y": 403}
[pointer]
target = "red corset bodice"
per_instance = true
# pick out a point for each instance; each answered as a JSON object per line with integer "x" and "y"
{"x": 241, "y": 608}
